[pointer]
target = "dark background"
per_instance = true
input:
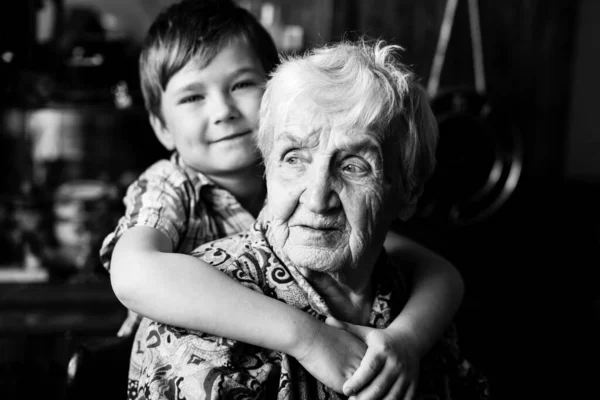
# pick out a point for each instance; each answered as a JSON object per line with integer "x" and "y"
{"x": 530, "y": 315}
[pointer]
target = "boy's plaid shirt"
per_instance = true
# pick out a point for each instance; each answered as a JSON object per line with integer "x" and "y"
{"x": 183, "y": 204}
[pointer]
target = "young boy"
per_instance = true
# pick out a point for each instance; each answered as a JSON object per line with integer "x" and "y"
{"x": 203, "y": 66}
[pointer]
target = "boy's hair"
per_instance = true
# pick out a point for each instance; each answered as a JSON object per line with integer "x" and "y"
{"x": 359, "y": 85}
{"x": 196, "y": 30}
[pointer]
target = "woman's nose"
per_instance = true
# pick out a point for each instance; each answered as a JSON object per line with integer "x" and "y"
{"x": 320, "y": 195}
{"x": 223, "y": 108}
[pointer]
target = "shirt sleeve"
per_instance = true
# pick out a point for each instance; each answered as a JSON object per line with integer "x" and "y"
{"x": 160, "y": 198}
{"x": 199, "y": 365}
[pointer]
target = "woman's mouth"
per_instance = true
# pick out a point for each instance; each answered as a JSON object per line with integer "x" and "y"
{"x": 317, "y": 228}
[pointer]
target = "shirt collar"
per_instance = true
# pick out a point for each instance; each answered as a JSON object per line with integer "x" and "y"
{"x": 203, "y": 179}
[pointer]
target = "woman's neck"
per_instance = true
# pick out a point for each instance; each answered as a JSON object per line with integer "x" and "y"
{"x": 349, "y": 298}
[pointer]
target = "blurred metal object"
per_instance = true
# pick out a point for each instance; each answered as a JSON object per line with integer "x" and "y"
{"x": 480, "y": 158}
{"x": 480, "y": 151}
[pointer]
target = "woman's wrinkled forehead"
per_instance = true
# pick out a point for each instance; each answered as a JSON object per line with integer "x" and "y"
{"x": 302, "y": 113}
{"x": 300, "y": 108}
{"x": 303, "y": 127}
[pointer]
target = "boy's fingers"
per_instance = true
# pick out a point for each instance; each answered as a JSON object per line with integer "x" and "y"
{"x": 410, "y": 392}
{"x": 335, "y": 323}
{"x": 400, "y": 390}
{"x": 379, "y": 387}
{"x": 357, "y": 330}
{"x": 395, "y": 392}
{"x": 369, "y": 367}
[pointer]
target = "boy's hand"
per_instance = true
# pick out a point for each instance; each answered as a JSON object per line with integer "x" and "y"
{"x": 332, "y": 355}
{"x": 390, "y": 368}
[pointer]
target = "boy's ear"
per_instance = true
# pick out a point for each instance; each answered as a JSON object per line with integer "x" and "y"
{"x": 162, "y": 133}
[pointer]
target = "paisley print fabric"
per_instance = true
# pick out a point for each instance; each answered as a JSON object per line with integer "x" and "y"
{"x": 182, "y": 364}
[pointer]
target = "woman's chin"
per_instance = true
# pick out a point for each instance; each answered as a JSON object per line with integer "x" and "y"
{"x": 318, "y": 259}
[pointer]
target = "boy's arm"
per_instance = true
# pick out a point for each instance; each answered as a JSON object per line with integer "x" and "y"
{"x": 437, "y": 290}
{"x": 391, "y": 365}
{"x": 183, "y": 291}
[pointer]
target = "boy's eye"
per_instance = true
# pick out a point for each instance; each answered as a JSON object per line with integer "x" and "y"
{"x": 192, "y": 98}
{"x": 244, "y": 84}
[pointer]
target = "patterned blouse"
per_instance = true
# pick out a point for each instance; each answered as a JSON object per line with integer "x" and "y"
{"x": 183, "y": 364}
{"x": 181, "y": 203}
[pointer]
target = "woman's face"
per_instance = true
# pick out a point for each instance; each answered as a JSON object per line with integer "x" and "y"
{"x": 328, "y": 201}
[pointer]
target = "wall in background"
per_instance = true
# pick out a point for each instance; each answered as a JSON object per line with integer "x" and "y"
{"x": 583, "y": 144}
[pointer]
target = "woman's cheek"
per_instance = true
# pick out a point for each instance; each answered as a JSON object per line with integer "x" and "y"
{"x": 365, "y": 201}
{"x": 282, "y": 198}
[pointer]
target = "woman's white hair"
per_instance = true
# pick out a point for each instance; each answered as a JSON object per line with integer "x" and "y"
{"x": 359, "y": 85}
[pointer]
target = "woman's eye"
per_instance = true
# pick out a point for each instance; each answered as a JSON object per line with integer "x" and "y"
{"x": 355, "y": 168}
{"x": 292, "y": 158}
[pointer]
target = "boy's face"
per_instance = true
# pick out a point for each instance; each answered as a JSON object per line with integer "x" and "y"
{"x": 211, "y": 114}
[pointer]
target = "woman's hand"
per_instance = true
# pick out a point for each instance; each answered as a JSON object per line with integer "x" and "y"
{"x": 331, "y": 355}
{"x": 390, "y": 367}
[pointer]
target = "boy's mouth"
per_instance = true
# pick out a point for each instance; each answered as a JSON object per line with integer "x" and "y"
{"x": 232, "y": 136}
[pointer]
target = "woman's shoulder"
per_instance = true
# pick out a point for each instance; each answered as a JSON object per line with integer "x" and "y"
{"x": 243, "y": 256}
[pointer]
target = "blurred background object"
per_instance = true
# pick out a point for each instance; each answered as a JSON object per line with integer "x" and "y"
{"x": 71, "y": 112}
{"x": 480, "y": 153}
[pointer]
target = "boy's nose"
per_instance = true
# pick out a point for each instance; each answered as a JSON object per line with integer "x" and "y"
{"x": 320, "y": 195}
{"x": 223, "y": 108}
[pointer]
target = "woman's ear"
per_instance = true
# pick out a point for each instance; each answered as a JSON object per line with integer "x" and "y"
{"x": 162, "y": 133}
{"x": 410, "y": 207}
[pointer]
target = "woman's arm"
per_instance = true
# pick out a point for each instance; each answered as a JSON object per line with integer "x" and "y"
{"x": 437, "y": 290}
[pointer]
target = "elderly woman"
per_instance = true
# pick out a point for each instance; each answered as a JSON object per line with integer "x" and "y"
{"x": 348, "y": 141}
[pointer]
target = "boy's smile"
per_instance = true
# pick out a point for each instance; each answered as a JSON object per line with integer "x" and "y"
{"x": 210, "y": 114}
{"x": 233, "y": 136}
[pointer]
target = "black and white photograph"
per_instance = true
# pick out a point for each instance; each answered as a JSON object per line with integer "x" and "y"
{"x": 299, "y": 199}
